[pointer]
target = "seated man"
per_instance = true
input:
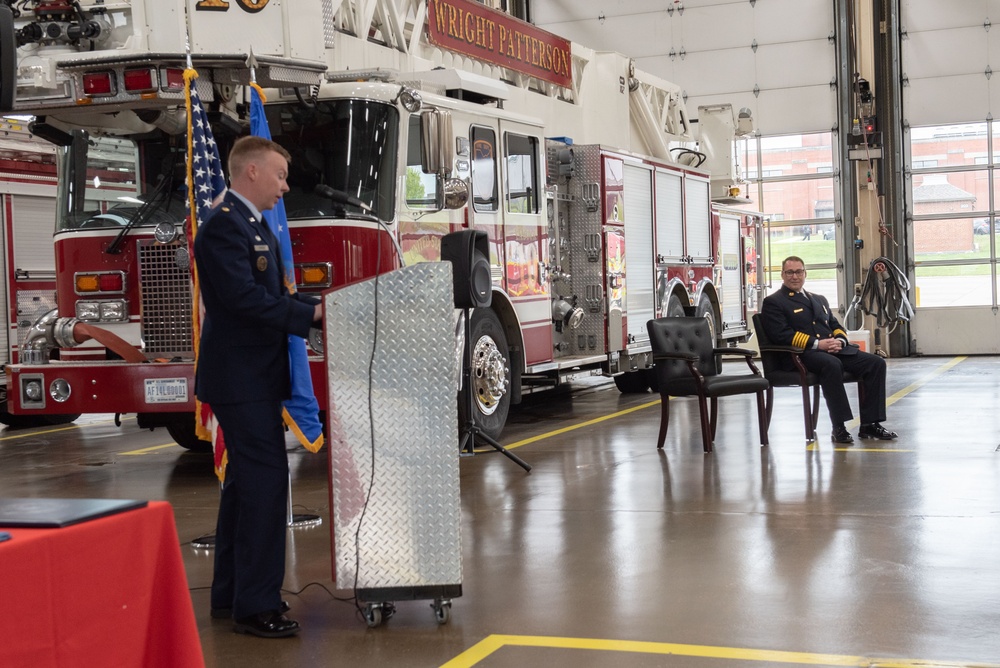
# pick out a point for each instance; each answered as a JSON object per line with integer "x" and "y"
{"x": 793, "y": 317}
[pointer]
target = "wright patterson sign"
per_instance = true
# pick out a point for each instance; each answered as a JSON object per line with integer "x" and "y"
{"x": 486, "y": 34}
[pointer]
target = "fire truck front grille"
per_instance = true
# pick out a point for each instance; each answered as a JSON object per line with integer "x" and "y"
{"x": 165, "y": 297}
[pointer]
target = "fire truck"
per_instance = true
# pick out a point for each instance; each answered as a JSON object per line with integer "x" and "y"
{"x": 405, "y": 120}
{"x": 27, "y": 197}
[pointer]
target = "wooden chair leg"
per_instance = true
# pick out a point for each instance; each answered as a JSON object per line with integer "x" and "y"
{"x": 807, "y": 413}
{"x": 706, "y": 429}
{"x": 769, "y": 405}
{"x": 664, "y": 419}
{"x": 815, "y": 406}
{"x": 762, "y": 421}
{"x": 714, "y": 416}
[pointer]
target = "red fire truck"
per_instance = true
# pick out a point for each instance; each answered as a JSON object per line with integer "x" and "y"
{"x": 27, "y": 197}
{"x": 435, "y": 117}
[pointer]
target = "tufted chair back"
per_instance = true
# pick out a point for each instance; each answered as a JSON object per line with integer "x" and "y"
{"x": 688, "y": 364}
{"x": 682, "y": 335}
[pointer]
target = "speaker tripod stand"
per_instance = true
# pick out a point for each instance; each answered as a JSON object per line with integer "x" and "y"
{"x": 470, "y": 430}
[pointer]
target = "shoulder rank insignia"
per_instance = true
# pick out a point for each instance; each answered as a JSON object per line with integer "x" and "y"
{"x": 798, "y": 310}
{"x": 262, "y": 263}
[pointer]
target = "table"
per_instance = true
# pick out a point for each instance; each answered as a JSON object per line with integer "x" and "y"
{"x": 107, "y": 592}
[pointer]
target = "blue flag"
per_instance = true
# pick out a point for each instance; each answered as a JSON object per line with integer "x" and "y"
{"x": 301, "y": 412}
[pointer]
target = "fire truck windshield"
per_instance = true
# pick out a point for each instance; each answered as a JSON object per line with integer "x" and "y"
{"x": 349, "y": 145}
{"x": 104, "y": 183}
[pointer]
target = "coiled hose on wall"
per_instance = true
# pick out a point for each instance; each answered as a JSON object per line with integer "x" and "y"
{"x": 883, "y": 294}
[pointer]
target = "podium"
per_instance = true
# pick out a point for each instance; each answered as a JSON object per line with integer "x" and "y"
{"x": 392, "y": 376}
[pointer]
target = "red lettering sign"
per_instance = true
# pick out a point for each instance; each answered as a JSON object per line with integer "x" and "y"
{"x": 486, "y": 34}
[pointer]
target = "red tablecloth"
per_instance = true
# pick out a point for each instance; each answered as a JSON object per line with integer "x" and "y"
{"x": 108, "y": 592}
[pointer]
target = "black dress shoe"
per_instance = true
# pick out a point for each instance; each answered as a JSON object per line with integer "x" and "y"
{"x": 876, "y": 431}
{"x": 841, "y": 435}
{"x": 267, "y": 625}
{"x": 227, "y": 613}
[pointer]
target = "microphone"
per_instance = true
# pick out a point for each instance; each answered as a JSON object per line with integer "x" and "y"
{"x": 340, "y": 197}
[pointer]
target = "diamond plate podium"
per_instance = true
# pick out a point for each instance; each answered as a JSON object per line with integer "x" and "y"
{"x": 393, "y": 438}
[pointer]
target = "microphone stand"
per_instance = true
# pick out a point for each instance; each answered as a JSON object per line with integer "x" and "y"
{"x": 471, "y": 431}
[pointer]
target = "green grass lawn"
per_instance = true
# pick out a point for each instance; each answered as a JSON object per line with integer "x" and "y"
{"x": 817, "y": 251}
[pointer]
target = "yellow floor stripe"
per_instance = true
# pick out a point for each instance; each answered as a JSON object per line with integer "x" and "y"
{"x": 38, "y": 433}
{"x": 550, "y": 434}
{"x": 52, "y": 431}
{"x": 812, "y": 446}
{"x": 491, "y": 644}
{"x": 144, "y": 451}
{"x": 947, "y": 366}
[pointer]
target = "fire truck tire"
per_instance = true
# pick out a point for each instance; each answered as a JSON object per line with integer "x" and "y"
{"x": 182, "y": 431}
{"x": 632, "y": 382}
{"x": 706, "y": 311}
{"x": 490, "y": 375}
{"x": 675, "y": 308}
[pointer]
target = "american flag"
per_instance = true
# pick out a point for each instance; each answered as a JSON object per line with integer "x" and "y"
{"x": 205, "y": 183}
{"x": 205, "y": 177}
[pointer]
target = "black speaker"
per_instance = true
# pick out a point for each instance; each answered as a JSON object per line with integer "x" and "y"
{"x": 469, "y": 252}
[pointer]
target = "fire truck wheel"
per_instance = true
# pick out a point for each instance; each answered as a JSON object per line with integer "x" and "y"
{"x": 632, "y": 382}
{"x": 675, "y": 308}
{"x": 706, "y": 311}
{"x": 182, "y": 431}
{"x": 490, "y": 375}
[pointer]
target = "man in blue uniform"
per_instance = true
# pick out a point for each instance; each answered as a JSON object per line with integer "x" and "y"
{"x": 793, "y": 317}
{"x": 243, "y": 374}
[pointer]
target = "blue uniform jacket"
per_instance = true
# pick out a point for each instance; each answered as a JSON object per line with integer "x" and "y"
{"x": 243, "y": 352}
{"x": 801, "y": 318}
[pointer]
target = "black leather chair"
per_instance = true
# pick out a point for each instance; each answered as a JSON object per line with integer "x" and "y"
{"x": 771, "y": 359}
{"x": 687, "y": 363}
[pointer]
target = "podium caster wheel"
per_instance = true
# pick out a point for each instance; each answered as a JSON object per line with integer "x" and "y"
{"x": 373, "y": 615}
{"x": 377, "y": 613}
{"x": 442, "y": 611}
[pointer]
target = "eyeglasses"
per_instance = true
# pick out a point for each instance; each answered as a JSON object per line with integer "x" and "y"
{"x": 794, "y": 272}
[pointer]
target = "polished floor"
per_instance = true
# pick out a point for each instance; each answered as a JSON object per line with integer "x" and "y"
{"x": 610, "y": 553}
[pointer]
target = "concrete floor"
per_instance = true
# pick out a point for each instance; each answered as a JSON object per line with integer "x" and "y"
{"x": 610, "y": 553}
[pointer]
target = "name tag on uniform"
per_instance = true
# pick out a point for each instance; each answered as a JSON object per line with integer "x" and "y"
{"x": 798, "y": 310}
{"x": 261, "y": 247}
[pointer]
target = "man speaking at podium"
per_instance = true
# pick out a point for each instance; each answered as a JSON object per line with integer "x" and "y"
{"x": 243, "y": 373}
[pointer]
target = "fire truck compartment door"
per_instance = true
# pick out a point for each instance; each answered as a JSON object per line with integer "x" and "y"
{"x": 669, "y": 216}
{"x": 639, "y": 261}
{"x": 732, "y": 290}
{"x": 698, "y": 218}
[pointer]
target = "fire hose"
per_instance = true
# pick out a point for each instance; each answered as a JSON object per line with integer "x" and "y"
{"x": 50, "y": 332}
{"x": 883, "y": 294}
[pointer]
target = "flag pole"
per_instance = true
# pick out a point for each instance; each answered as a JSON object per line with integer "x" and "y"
{"x": 294, "y": 520}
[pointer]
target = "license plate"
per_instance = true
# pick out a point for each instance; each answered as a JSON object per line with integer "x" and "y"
{"x": 166, "y": 390}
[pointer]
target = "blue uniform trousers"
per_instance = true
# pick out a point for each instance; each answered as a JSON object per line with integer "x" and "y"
{"x": 830, "y": 369}
{"x": 252, "y": 525}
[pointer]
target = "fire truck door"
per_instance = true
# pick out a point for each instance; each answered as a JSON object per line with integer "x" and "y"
{"x": 639, "y": 266}
{"x": 525, "y": 235}
{"x": 732, "y": 290}
{"x": 484, "y": 210}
